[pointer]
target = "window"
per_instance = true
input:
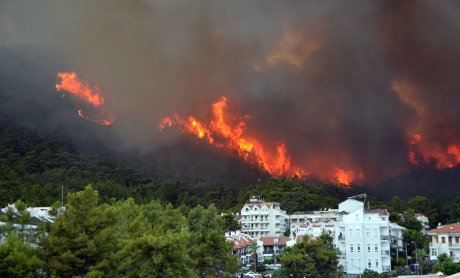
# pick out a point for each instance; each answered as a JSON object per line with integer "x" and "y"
{"x": 376, "y": 263}
{"x": 375, "y": 233}
{"x": 358, "y": 247}
{"x": 368, "y": 232}
{"x": 351, "y": 248}
{"x": 368, "y": 248}
{"x": 352, "y": 263}
{"x": 359, "y": 262}
{"x": 350, "y": 232}
{"x": 358, "y": 232}
{"x": 376, "y": 247}
{"x": 443, "y": 239}
{"x": 369, "y": 264}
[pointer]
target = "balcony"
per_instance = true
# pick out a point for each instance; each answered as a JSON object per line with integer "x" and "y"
{"x": 342, "y": 254}
{"x": 384, "y": 238}
{"x": 385, "y": 253}
{"x": 386, "y": 269}
{"x": 341, "y": 238}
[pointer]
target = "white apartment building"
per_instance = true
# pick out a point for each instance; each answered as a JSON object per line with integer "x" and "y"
{"x": 362, "y": 237}
{"x": 424, "y": 221}
{"x": 396, "y": 236}
{"x": 260, "y": 218}
{"x": 445, "y": 240}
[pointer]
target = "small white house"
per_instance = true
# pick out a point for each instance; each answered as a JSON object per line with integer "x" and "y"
{"x": 445, "y": 240}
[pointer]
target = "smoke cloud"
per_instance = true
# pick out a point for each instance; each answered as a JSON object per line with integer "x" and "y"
{"x": 342, "y": 84}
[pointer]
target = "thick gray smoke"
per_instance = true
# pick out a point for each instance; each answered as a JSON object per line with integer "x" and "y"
{"x": 329, "y": 78}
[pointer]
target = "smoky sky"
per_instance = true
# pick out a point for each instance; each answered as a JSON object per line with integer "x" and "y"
{"x": 317, "y": 75}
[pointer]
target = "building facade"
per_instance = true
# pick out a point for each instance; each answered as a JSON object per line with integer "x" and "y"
{"x": 314, "y": 223}
{"x": 445, "y": 240}
{"x": 363, "y": 238}
{"x": 396, "y": 236}
{"x": 260, "y": 218}
{"x": 424, "y": 221}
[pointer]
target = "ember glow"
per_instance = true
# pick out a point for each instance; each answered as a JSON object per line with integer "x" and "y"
{"x": 424, "y": 152}
{"x": 227, "y": 132}
{"x": 89, "y": 95}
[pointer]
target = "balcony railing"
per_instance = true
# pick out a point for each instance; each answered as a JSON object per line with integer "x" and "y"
{"x": 342, "y": 238}
{"x": 385, "y": 253}
{"x": 386, "y": 269}
{"x": 384, "y": 238}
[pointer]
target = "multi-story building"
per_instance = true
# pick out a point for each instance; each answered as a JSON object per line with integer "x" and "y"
{"x": 362, "y": 237}
{"x": 243, "y": 246}
{"x": 314, "y": 223}
{"x": 424, "y": 221}
{"x": 273, "y": 246}
{"x": 260, "y": 218}
{"x": 445, "y": 240}
{"x": 396, "y": 236}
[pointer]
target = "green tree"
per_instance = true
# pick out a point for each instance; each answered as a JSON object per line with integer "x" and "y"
{"x": 414, "y": 239}
{"x": 410, "y": 222}
{"x": 311, "y": 258}
{"x": 153, "y": 242}
{"x": 446, "y": 265}
{"x": 397, "y": 205}
{"x": 230, "y": 223}
{"x": 208, "y": 245}
{"x": 81, "y": 237}
{"x": 374, "y": 274}
{"x": 18, "y": 259}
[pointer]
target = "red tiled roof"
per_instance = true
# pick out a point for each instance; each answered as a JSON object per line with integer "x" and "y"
{"x": 446, "y": 229}
{"x": 270, "y": 240}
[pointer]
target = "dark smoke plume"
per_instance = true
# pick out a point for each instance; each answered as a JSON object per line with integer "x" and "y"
{"x": 343, "y": 83}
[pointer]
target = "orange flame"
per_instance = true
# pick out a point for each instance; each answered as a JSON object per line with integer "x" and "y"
{"x": 346, "y": 177}
{"x": 226, "y": 133}
{"x": 422, "y": 151}
{"x": 98, "y": 121}
{"x": 71, "y": 84}
{"x": 90, "y": 95}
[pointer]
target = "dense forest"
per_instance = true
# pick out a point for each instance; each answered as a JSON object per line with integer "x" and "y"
{"x": 129, "y": 215}
{"x": 35, "y": 168}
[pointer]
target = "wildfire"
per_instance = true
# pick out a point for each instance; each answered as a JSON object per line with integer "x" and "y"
{"x": 422, "y": 151}
{"x": 224, "y": 132}
{"x": 344, "y": 177}
{"x": 92, "y": 96}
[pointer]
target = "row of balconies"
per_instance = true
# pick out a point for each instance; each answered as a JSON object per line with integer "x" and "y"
{"x": 254, "y": 221}
{"x": 449, "y": 244}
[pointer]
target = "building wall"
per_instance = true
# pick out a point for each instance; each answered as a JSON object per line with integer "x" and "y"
{"x": 363, "y": 239}
{"x": 445, "y": 244}
{"x": 259, "y": 218}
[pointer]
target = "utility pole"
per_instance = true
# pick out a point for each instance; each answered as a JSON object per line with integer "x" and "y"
{"x": 416, "y": 260}
{"x": 62, "y": 195}
{"x": 407, "y": 260}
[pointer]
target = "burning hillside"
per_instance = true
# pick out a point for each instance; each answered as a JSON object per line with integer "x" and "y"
{"x": 228, "y": 132}
{"x": 345, "y": 92}
{"x": 91, "y": 97}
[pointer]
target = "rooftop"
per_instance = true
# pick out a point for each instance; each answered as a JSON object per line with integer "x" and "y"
{"x": 446, "y": 229}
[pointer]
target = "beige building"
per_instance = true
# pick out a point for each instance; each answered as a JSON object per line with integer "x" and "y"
{"x": 260, "y": 218}
{"x": 445, "y": 240}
